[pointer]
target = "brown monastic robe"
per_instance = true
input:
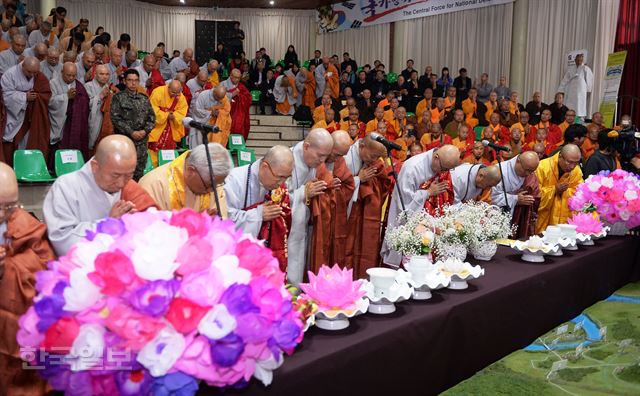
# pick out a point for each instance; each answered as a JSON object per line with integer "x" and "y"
{"x": 28, "y": 252}
{"x": 138, "y": 196}
{"x": 525, "y": 216}
{"x": 106, "y": 128}
{"x": 363, "y": 240}
{"x": 36, "y": 122}
{"x": 329, "y": 217}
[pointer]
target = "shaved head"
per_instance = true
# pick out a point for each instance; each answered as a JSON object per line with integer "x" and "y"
{"x": 40, "y": 50}
{"x": 9, "y": 190}
{"x": 181, "y": 77}
{"x": 276, "y": 166}
{"x": 69, "y": 56}
{"x": 278, "y": 156}
{"x": 114, "y": 163}
{"x": 570, "y": 149}
{"x": 488, "y": 177}
{"x": 341, "y": 144}
{"x": 527, "y": 163}
{"x": 102, "y": 74}
{"x": 175, "y": 88}
{"x": 569, "y": 157}
{"x": 317, "y": 146}
{"x": 202, "y": 77}
{"x": 219, "y": 92}
{"x": 445, "y": 158}
{"x": 30, "y": 66}
{"x": 370, "y": 150}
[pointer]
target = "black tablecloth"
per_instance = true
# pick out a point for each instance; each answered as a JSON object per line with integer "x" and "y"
{"x": 426, "y": 347}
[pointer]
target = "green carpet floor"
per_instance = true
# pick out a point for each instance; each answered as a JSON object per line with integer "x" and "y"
{"x": 598, "y": 353}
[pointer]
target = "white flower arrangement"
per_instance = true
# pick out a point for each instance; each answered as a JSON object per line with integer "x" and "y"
{"x": 484, "y": 222}
{"x": 452, "y": 228}
{"x": 414, "y": 236}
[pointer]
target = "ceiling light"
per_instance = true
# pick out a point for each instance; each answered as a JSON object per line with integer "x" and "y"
{"x": 272, "y": 2}
{"x": 182, "y": 1}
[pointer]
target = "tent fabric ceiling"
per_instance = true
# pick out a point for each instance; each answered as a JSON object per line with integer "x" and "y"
{"x": 291, "y": 4}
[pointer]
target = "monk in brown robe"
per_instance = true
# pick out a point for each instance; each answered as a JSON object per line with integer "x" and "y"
{"x": 24, "y": 250}
{"x": 329, "y": 210}
{"x": 365, "y": 162}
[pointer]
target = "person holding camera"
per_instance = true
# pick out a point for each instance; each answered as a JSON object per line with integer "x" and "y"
{"x": 604, "y": 158}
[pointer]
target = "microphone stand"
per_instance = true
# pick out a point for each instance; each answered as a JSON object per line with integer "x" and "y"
{"x": 506, "y": 207}
{"x": 395, "y": 177}
{"x": 212, "y": 179}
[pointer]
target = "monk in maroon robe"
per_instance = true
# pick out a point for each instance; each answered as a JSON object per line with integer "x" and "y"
{"x": 329, "y": 210}
{"x": 525, "y": 216}
{"x": 240, "y": 103}
{"x": 75, "y": 134}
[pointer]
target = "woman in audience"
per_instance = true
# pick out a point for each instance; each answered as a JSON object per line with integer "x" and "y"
{"x": 291, "y": 58}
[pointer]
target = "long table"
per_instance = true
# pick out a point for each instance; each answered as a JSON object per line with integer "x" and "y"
{"x": 426, "y": 347}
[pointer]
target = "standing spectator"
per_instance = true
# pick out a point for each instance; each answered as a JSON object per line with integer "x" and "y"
{"x": 222, "y": 56}
{"x": 484, "y": 88}
{"x": 236, "y": 39}
{"x": 347, "y": 61}
{"x": 291, "y": 58}
{"x": 558, "y": 109}
{"x": 445, "y": 81}
{"x": 361, "y": 83}
{"x": 535, "y": 107}
{"x": 267, "y": 59}
{"x": 462, "y": 84}
{"x": 502, "y": 90}
{"x": 577, "y": 82}
{"x": 266, "y": 89}
{"x": 425, "y": 79}
{"x": 406, "y": 73}
{"x": 317, "y": 58}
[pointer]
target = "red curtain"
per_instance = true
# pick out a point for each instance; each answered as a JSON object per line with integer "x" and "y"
{"x": 628, "y": 38}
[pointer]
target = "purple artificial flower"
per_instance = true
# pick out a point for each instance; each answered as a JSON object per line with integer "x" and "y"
{"x": 51, "y": 308}
{"x": 134, "y": 382}
{"x": 237, "y": 299}
{"x": 153, "y": 298}
{"x": 254, "y": 328}
{"x": 109, "y": 226}
{"x": 175, "y": 384}
{"x": 286, "y": 333}
{"x": 79, "y": 384}
{"x": 226, "y": 351}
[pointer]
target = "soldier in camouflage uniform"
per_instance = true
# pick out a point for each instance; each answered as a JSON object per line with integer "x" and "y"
{"x": 133, "y": 116}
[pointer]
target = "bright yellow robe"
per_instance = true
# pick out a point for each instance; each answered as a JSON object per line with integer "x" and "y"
{"x": 161, "y": 101}
{"x": 319, "y": 113}
{"x": 422, "y": 106}
{"x": 389, "y": 115}
{"x": 554, "y": 208}
{"x": 469, "y": 108}
{"x": 323, "y": 124}
{"x": 214, "y": 79}
{"x": 222, "y": 121}
{"x": 491, "y": 108}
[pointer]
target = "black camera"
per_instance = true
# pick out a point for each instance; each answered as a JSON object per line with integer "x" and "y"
{"x": 628, "y": 143}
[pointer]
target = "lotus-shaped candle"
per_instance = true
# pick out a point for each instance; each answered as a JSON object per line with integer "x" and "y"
{"x": 382, "y": 296}
{"x": 534, "y": 249}
{"x": 338, "y": 296}
{"x": 586, "y": 223}
{"x": 459, "y": 272}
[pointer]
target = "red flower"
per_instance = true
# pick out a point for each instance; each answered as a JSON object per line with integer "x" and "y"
{"x": 114, "y": 273}
{"x": 60, "y": 336}
{"x": 185, "y": 315}
{"x": 195, "y": 223}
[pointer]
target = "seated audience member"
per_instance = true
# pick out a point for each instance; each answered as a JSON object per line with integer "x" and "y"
{"x": 604, "y": 158}
{"x": 477, "y": 155}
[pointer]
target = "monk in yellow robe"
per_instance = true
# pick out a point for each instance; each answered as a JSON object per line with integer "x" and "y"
{"x": 170, "y": 107}
{"x": 24, "y": 250}
{"x": 450, "y": 102}
{"x": 558, "y": 177}
{"x": 186, "y": 183}
{"x": 213, "y": 107}
{"x": 212, "y": 70}
{"x": 372, "y": 126}
{"x": 472, "y": 108}
{"x": 319, "y": 112}
{"x": 352, "y": 122}
{"x": 350, "y": 107}
{"x": 328, "y": 122}
{"x": 424, "y": 104}
{"x": 438, "y": 112}
{"x": 491, "y": 105}
{"x": 390, "y": 114}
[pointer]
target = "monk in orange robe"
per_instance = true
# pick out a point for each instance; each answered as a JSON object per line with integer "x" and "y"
{"x": 515, "y": 144}
{"x": 554, "y": 135}
{"x": 327, "y": 77}
{"x": 24, "y": 250}
{"x": 463, "y": 142}
{"x": 450, "y": 102}
{"x": 328, "y": 122}
{"x": 319, "y": 112}
{"x": 309, "y": 93}
{"x": 435, "y": 139}
{"x": 569, "y": 119}
{"x": 500, "y": 132}
{"x": 453, "y": 127}
{"x": 329, "y": 210}
{"x": 372, "y": 126}
{"x": 213, "y": 108}
{"x": 438, "y": 113}
{"x": 477, "y": 155}
{"x": 353, "y": 119}
{"x": 390, "y": 113}
{"x": 541, "y": 138}
{"x": 425, "y": 104}
{"x": 590, "y": 144}
{"x": 365, "y": 209}
{"x": 473, "y": 109}
{"x": 492, "y": 105}
{"x": 528, "y": 130}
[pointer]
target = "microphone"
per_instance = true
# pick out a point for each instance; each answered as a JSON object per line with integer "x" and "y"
{"x": 190, "y": 122}
{"x": 380, "y": 139}
{"x": 494, "y": 146}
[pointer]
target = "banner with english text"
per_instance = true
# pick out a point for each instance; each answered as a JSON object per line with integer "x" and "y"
{"x": 361, "y": 13}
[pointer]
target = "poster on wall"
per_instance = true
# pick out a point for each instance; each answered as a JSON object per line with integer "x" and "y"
{"x": 570, "y": 57}
{"x": 611, "y": 86}
{"x": 361, "y": 13}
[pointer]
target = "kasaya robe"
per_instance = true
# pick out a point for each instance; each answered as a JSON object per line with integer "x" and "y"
{"x": 526, "y": 216}
{"x": 156, "y": 81}
{"x": 588, "y": 148}
{"x": 166, "y": 133}
{"x": 75, "y": 134}
{"x": 36, "y": 122}
{"x": 201, "y": 110}
{"x": 239, "y": 110}
{"x": 309, "y": 94}
{"x": 329, "y": 217}
{"x": 364, "y": 239}
{"x": 106, "y": 128}
{"x": 138, "y": 196}
{"x": 554, "y": 208}
{"x": 28, "y": 251}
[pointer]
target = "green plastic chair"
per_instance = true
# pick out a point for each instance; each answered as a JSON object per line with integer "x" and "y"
{"x": 392, "y": 77}
{"x": 149, "y": 166}
{"x": 236, "y": 142}
{"x": 280, "y": 62}
{"x": 478, "y": 131}
{"x": 255, "y": 96}
{"x": 30, "y": 166}
{"x": 67, "y": 161}
{"x": 359, "y": 70}
{"x": 306, "y": 64}
{"x": 410, "y": 114}
{"x": 246, "y": 156}
{"x": 166, "y": 156}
